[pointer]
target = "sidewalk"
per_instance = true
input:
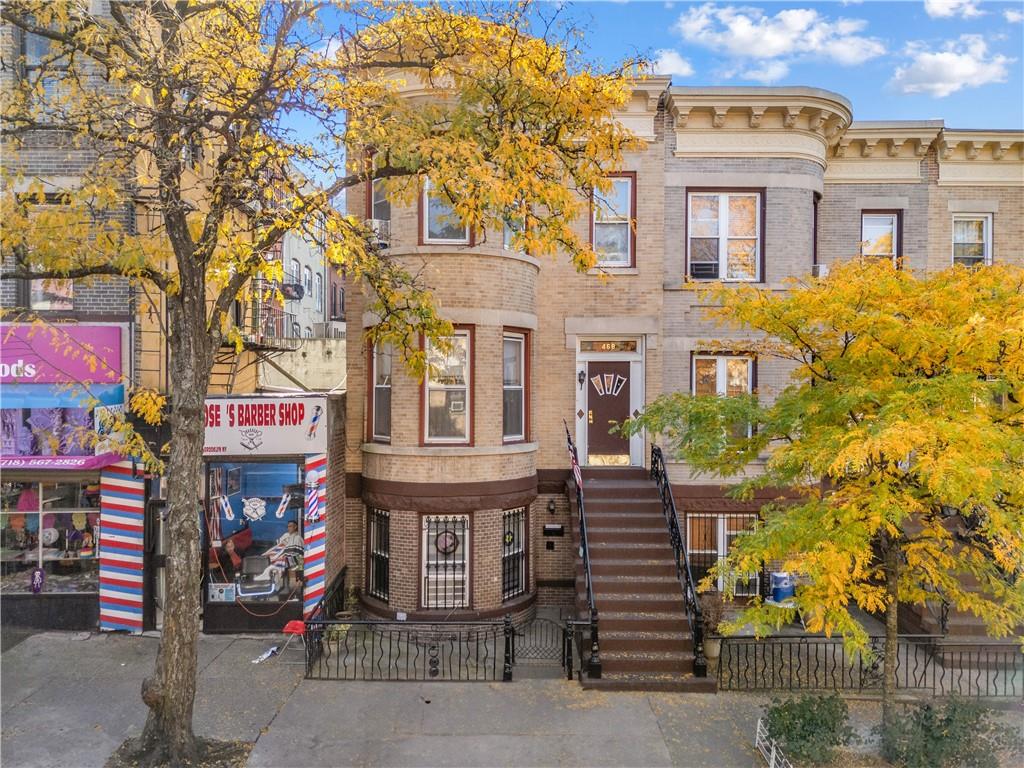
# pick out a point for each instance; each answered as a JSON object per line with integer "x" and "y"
{"x": 73, "y": 698}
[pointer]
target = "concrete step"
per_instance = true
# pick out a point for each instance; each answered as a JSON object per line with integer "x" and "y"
{"x": 630, "y": 567}
{"x": 606, "y": 585}
{"x": 622, "y": 518}
{"x": 642, "y": 602}
{"x": 626, "y": 490}
{"x": 678, "y": 662}
{"x": 612, "y": 473}
{"x": 607, "y": 550}
{"x": 645, "y": 642}
{"x": 602, "y": 501}
{"x": 687, "y": 683}
{"x": 634, "y": 535}
{"x": 640, "y": 621}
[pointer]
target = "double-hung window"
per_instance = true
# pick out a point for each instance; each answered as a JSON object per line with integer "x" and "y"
{"x": 381, "y": 375}
{"x": 613, "y": 215}
{"x": 972, "y": 239}
{"x": 880, "y": 234}
{"x": 724, "y": 236}
{"x": 709, "y": 538}
{"x": 448, "y": 391}
{"x": 380, "y": 206}
{"x": 440, "y": 222}
{"x": 307, "y": 280}
{"x": 514, "y": 387}
{"x": 724, "y": 375}
{"x": 319, "y": 281}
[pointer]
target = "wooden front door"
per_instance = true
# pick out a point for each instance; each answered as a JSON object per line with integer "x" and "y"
{"x": 607, "y": 401}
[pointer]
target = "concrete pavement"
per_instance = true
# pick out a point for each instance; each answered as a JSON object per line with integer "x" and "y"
{"x": 71, "y": 699}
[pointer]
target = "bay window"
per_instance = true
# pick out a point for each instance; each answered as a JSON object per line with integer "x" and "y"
{"x": 514, "y": 387}
{"x": 613, "y": 214}
{"x": 440, "y": 222}
{"x": 724, "y": 236}
{"x": 448, "y": 391}
{"x": 972, "y": 239}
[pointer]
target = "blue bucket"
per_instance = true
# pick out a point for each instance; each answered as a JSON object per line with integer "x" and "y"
{"x": 782, "y": 587}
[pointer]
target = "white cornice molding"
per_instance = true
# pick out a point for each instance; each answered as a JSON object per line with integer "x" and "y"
{"x": 766, "y": 122}
{"x": 981, "y": 158}
{"x": 898, "y": 139}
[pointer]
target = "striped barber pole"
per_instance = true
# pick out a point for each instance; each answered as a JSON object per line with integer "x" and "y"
{"x": 315, "y": 532}
{"x": 122, "y": 512}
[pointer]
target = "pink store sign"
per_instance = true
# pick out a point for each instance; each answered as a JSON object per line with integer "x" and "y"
{"x": 58, "y": 354}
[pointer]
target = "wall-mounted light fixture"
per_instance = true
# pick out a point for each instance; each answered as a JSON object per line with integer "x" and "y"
{"x": 581, "y": 377}
{"x": 551, "y": 506}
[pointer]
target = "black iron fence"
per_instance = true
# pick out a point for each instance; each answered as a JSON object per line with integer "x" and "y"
{"x": 684, "y": 571}
{"x": 594, "y": 655}
{"x": 409, "y": 650}
{"x": 333, "y": 600}
{"x": 925, "y": 665}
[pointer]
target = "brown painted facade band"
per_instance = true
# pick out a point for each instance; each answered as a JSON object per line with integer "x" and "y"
{"x": 449, "y": 498}
{"x": 381, "y": 610}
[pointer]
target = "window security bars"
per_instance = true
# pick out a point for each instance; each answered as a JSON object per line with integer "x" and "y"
{"x": 513, "y": 553}
{"x": 380, "y": 554}
{"x": 445, "y": 562}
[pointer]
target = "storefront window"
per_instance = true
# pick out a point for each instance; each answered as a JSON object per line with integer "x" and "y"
{"x": 53, "y": 528}
{"x": 253, "y": 531}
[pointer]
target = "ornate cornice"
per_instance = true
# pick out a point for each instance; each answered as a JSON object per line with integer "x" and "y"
{"x": 781, "y": 122}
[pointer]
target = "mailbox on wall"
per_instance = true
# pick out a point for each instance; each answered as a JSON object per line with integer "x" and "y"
{"x": 552, "y": 529}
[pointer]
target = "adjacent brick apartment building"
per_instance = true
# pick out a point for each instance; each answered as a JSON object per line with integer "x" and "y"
{"x": 456, "y": 485}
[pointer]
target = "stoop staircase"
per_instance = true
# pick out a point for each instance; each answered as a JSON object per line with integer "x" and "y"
{"x": 645, "y": 638}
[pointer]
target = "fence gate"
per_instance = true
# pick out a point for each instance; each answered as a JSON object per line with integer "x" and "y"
{"x": 540, "y": 644}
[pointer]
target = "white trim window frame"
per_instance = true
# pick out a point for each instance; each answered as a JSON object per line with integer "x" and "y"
{"x": 720, "y": 230}
{"x": 982, "y": 258}
{"x": 383, "y": 367}
{"x": 380, "y": 205}
{"x": 428, "y": 195}
{"x": 318, "y": 282}
{"x": 747, "y": 585}
{"x": 449, "y": 390}
{"x": 605, "y": 215}
{"x": 307, "y": 280}
{"x": 509, "y": 386}
{"x": 875, "y": 220}
{"x": 445, "y": 576}
{"x": 727, "y": 370}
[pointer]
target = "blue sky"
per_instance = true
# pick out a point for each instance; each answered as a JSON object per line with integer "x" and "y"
{"x": 958, "y": 60}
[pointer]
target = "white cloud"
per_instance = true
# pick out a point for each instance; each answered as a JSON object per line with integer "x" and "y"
{"x": 669, "y": 62}
{"x": 961, "y": 63}
{"x": 1014, "y": 17}
{"x": 774, "y": 42}
{"x": 767, "y": 72}
{"x": 941, "y": 9}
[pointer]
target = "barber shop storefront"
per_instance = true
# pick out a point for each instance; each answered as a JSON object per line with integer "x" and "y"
{"x": 265, "y": 510}
{"x": 63, "y": 483}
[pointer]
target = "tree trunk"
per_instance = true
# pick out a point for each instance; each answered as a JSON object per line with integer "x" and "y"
{"x": 892, "y": 574}
{"x": 170, "y": 691}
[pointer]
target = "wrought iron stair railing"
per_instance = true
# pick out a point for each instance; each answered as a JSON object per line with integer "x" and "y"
{"x": 683, "y": 571}
{"x": 594, "y": 660}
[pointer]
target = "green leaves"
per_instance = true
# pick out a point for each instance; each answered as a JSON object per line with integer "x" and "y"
{"x": 902, "y": 421}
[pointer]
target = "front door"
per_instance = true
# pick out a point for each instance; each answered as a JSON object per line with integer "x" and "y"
{"x": 607, "y": 402}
